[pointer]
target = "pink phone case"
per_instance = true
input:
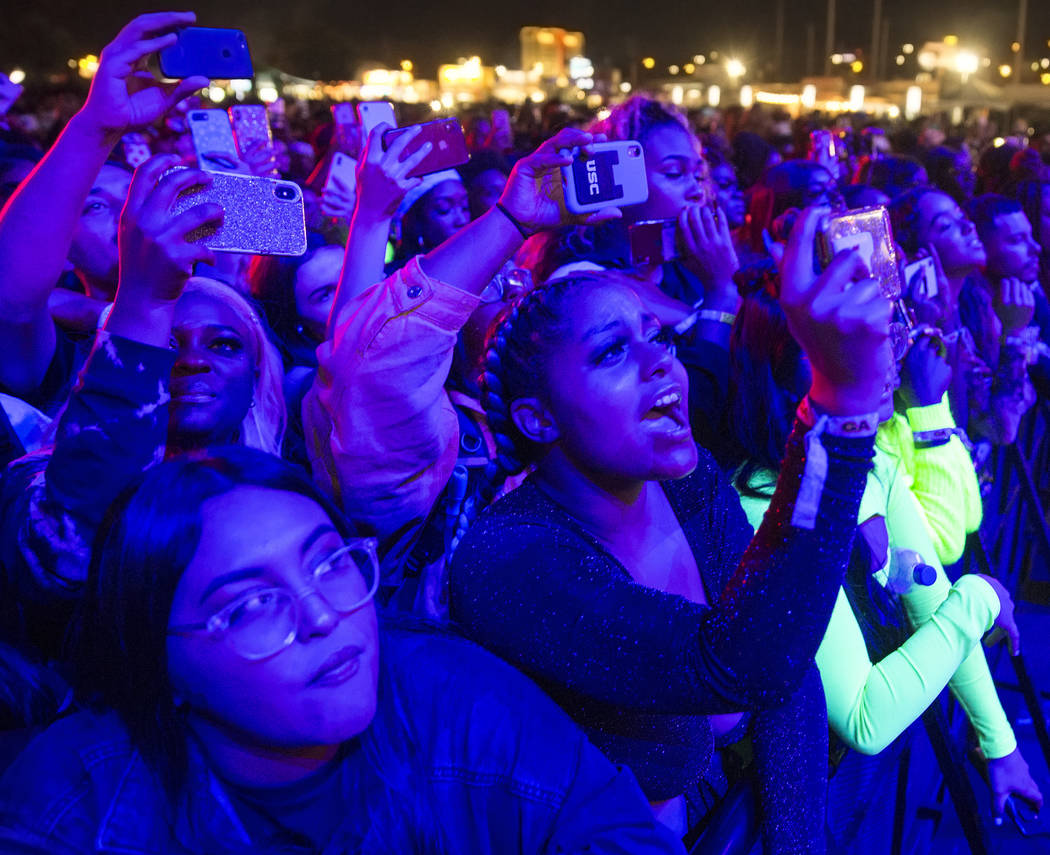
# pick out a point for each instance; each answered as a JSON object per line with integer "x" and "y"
{"x": 448, "y": 146}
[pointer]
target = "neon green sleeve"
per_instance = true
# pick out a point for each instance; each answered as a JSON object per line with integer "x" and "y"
{"x": 972, "y": 683}
{"x": 944, "y": 481}
{"x": 870, "y": 705}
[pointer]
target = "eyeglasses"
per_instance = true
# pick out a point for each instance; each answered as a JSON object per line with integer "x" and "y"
{"x": 264, "y": 621}
{"x": 515, "y": 281}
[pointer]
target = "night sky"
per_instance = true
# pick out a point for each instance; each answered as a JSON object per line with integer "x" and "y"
{"x": 331, "y": 38}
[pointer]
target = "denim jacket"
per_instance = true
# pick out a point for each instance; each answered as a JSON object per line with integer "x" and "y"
{"x": 506, "y": 770}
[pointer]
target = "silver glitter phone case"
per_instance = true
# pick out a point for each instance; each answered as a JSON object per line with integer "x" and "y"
{"x": 213, "y": 139}
{"x": 250, "y": 126}
{"x": 261, "y": 216}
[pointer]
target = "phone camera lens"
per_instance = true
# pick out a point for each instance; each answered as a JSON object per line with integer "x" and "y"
{"x": 198, "y": 117}
{"x": 634, "y": 151}
{"x": 286, "y": 193}
{"x": 226, "y": 53}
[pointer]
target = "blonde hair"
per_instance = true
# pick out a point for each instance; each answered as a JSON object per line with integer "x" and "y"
{"x": 264, "y": 423}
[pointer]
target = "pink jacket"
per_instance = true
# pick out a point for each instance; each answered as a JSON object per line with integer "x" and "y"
{"x": 381, "y": 432}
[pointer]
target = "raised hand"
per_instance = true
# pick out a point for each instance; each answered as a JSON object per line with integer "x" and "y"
{"x": 382, "y": 176}
{"x": 534, "y": 194}
{"x": 156, "y": 258}
{"x": 709, "y": 252}
{"x": 1009, "y": 775}
{"x": 926, "y": 373}
{"x": 1015, "y": 305}
{"x": 124, "y": 95}
{"x": 840, "y": 320}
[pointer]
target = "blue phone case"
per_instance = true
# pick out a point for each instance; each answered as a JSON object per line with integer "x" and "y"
{"x": 207, "y": 51}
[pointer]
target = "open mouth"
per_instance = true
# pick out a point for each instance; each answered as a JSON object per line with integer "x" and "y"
{"x": 666, "y": 411}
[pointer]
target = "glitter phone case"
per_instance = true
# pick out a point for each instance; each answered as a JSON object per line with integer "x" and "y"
{"x": 251, "y": 126}
{"x": 261, "y": 216}
{"x": 868, "y": 231}
{"x": 213, "y": 139}
{"x": 613, "y": 176}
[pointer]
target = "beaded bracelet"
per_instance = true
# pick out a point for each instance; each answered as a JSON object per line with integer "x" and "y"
{"x": 939, "y": 436}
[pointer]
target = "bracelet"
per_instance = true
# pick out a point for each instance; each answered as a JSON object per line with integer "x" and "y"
{"x": 815, "y": 473}
{"x": 514, "y": 221}
{"x": 939, "y": 436}
{"x": 862, "y": 425}
{"x": 716, "y": 316}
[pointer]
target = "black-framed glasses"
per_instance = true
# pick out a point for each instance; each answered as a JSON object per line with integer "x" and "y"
{"x": 264, "y": 621}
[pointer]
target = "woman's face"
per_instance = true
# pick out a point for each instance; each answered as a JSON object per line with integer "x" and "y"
{"x": 93, "y": 251}
{"x": 822, "y": 189}
{"x": 674, "y": 171}
{"x": 444, "y": 211}
{"x": 315, "y": 284}
{"x": 213, "y": 380}
{"x": 320, "y": 689}
{"x": 616, "y": 394}
{"x": 730, "y": 198}
{"x": 944, "y": 226}
{"x": 486, "y": 190}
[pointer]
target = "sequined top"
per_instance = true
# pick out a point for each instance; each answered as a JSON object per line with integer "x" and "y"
{"x": 636, "y": 666}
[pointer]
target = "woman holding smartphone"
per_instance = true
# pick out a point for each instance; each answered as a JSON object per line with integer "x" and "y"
{"x": 619, "y": 575}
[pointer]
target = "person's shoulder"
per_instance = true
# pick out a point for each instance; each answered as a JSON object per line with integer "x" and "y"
{"x": 60, "y": 767}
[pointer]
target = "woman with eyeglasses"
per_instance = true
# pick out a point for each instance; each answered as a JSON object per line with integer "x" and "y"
{"x": 245, "y": 697}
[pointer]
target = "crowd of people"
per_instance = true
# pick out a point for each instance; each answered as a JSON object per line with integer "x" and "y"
{"x": 463, "y": 531}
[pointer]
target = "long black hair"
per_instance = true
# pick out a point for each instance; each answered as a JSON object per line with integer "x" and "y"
{"x": 148, "y": 538}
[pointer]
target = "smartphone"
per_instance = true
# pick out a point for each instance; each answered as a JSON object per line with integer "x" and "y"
{"x": 614, "y": 176}
{"x": 136, "y": 149}
{"x": 448, "y": 146}
{"x": 920, "y": 278}
{"x": 262, "y": 216}
{"x": 653, "y": 241}
{"x": 9, "y": 93}
{"x": 213, "y": 139}
{"x": 208, "y": 52}
{"x": 371, "y": 114}
{"x": 345, "y": 167}
{"x": 347, "y": 132}
{"x": 866, "y": 230}
{"x": 823, "y": 141}
{"x": 251, "y": 126}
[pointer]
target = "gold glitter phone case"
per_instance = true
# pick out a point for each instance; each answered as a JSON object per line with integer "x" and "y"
{"x": 868, "y": 231}
{"x": 213, "y": 139}
{"x": 261, "y": 216}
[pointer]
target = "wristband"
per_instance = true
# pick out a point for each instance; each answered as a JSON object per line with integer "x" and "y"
{"x": 939, "y": 436}
{"x": 807, "y": 502}
{"x": 716, "y": 316}
{"x": 514, "y": 221}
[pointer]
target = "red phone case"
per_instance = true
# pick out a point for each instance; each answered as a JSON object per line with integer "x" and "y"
{"x": 449, "y": 148}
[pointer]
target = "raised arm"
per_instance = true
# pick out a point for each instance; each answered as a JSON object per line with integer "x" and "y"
{"x": 38, "y": 222}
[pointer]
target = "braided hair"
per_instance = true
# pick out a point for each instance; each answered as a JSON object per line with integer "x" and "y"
{"x": 904, "y": 217}
{"x": 514, "y": 367}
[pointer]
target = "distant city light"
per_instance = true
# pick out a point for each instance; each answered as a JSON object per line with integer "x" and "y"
{"x": 672, "y": 69}
{"x": 699, "y": 59}
{"x": 856, "y": 66}
{"x": 908, "y": 48}
{"x": 809, "y": 96}
{"x": 537, "y": 97}
{"x": 435, "y": 106}
{"x": 998, "y": 142}
{"x": 747, "y": 96}
{"x": 714, "y": 95}
{"x": 677, "y": 95}
{"x": 216, "y": 93}
{"x": 267, "y": 93}
{"x": 625, "y": 87}
{"x": 951, "y": 40}
{"x": 1016, "y": 46}
{"x": 649, "y": 63}
{"x": 967, "y": 62}
{"x": 1005, "y": 71}
{"x": 912, "y": 102}
{"x": 735, "y": 68}
{"x": 406, "y": 65}
{"x": 87, "y": 66}
{"x": 1044, "y": 62}
{"x": 893, "y": 111}
{"x": 856, "y": 98}
{"x": 689, "y": 68}
{"x": 17, "y": 76}
{"x": 900, "y": 59}
{"x": 1045, "y": 78}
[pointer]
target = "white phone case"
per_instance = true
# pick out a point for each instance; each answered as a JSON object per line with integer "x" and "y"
{"x": 613, "y": 177}
{"x": 213, "y": 140}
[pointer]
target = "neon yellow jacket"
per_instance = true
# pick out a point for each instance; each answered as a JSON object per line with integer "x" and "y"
{"x": 870, "y": 704}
